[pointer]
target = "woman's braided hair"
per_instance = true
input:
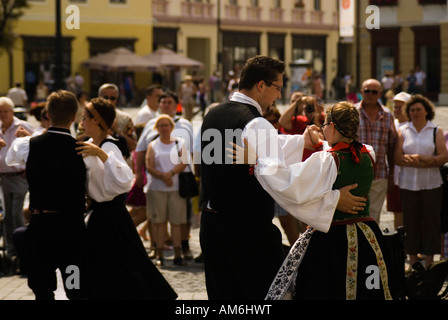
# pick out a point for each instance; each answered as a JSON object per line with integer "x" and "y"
{"x": 345, "y": 118}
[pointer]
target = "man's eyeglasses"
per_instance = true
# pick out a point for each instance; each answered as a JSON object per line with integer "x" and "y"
{"x": 371, "y": 91}
{"x": 111, "y": 98}
{"x": 268, "y": 83}
{"x": 325, "y": 124}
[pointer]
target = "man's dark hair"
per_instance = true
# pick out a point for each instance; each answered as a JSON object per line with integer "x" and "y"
{"x": 62, "y": 107}
{"x": 169, "y": 94}
{"x": 260, "y": 68}
{"x": 151, "y": 88}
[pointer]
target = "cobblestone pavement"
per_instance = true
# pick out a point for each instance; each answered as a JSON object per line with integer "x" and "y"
{"x": 188, "y": 281}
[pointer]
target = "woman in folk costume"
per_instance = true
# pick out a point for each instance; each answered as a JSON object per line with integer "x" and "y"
{"x": 119, "y": 266}
{"x": 346, "y": 262}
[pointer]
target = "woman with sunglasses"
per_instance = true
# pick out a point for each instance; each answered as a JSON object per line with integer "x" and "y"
{"x": 119, "y": 266}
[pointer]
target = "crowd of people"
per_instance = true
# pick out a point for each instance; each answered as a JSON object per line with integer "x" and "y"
{"x": 99, "y": 184}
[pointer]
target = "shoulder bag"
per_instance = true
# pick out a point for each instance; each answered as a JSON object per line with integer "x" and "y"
{"x": 444, "y": 173}
{"x": 188, "y": 187}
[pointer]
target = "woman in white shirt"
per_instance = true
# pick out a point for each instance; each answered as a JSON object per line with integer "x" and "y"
{"x": 119, "y": 266}
{"x": 419, "y": 151}
{"x": 163, "y": 166}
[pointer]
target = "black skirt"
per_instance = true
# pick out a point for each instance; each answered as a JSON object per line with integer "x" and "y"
{"x": 323, "y": 271}
{"x": 119, "y": 266}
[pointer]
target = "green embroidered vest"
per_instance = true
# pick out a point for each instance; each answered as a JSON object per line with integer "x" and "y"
{"x": 349, "y": 173}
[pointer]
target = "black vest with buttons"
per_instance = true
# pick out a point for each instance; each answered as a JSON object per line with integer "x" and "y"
{"x": 56, "y": 174}
{"x": 230, "y": 188}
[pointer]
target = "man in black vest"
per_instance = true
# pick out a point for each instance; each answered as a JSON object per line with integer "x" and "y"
{"x": 242, "y": 248}
{"x": 57, "y": 183}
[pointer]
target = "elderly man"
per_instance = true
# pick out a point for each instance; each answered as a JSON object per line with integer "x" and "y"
{"x": 12, "y": 179}
{"x": 377, "y": 128}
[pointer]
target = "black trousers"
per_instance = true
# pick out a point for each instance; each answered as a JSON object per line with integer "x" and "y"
{"x": 241, "y": 258}
{"x": 56, "y": 240}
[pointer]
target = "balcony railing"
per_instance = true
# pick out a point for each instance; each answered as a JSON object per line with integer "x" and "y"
{"x": 276, "y": 14}
{"x": 254, "y": 13}
{"x": 298, "y": 15}
{"x": 232, "y": 12}
{"x": 197, "y": 10}
{"x": 317, "y": 17}
{"x": 160, "y": 7}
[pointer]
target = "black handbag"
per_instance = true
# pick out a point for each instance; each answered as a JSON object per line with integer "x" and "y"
{"x": 444, "y": 175}
{"x": 188, "y": 187}
{"x": 395, "y": 255}
{"x": 427, "y": 284}
{"x": 444, "y": 212}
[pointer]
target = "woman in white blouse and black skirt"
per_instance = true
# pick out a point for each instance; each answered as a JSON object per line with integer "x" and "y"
{"x": 420, "y": 151}
{"x": 119, "y": 266}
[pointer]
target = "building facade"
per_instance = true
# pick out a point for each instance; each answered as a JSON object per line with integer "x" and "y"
{"x": 225, "y": 33}
{"x": 412, "y": 34}
{"x": 89, "y": 28}
{"x": 222, "y": 34}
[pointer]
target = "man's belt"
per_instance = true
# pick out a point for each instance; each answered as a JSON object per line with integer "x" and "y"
{"x": 11, "y": 174}
{"x": 41, "y": 211}
{"x": 209, "y": 210}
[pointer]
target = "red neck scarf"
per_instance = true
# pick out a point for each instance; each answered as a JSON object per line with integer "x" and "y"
{"x": 343, "y": 146}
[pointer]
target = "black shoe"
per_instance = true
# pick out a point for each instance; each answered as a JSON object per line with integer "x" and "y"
{"x": 152, "y": 254}
{"x": 7, "y": 266}
{"x": 179, "y": 262}
{"x": 199, "y": 259}
{"x": 187, "y": 254}
{"x": 15, "y": 265}
{"x": 160, "y": 262}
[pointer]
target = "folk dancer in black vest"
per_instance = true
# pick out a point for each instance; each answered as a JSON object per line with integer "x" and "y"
{"x": 118, "y": 264}
{"x": 241, "y": 246}
{"x": 56, "y": 175}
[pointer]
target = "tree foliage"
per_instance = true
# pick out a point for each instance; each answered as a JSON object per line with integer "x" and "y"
{"x": 10, "y": 11}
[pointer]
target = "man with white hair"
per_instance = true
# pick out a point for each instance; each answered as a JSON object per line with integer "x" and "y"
{"x": 12, "y": 179}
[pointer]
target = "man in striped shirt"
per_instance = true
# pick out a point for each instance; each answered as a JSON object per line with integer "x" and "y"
{"x": 376, "y": 128}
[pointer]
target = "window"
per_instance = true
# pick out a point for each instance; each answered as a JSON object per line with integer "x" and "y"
{"x": 254, "y": 3}
{"x": 317, "y": 5}
{"x": 383, "y": 2}
{"x": 118, "y": 1}
{"x": 277, "y": 4}
{"x": 431, "y": 1}
{"x": 233, "y": 2}
{"x": 299, "y": 4}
